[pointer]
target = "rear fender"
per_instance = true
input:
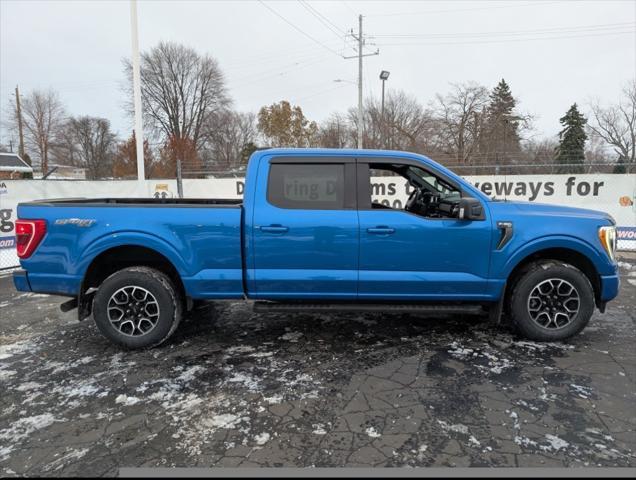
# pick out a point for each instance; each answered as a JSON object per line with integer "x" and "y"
{"x": 114, "y": 240}
{"x": 138, "y": 239}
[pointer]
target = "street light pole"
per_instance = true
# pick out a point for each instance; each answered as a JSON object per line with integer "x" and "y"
{"x": 384, "y": 75}
{"x": 139, "y": 133}
{"x": 383, "y": 98}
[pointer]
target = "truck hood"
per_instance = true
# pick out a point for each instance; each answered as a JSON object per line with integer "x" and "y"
{"x": 544, "y": 209}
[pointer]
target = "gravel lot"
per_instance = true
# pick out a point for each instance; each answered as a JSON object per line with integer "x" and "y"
{"x": 233, "y": 388}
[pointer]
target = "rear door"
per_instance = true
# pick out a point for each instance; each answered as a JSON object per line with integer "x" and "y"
{"x": 305, "y": 229}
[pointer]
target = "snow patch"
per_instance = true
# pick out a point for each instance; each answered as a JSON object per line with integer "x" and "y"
{"x": 25, "y": 426}
{"x": 189, "y": 374}
{"x": 18, "y": 348}
{"x": 226, "y": 420}
{"x": 292, "y": 337}
{"x": 71, "y": 456}
{"x": 5, "y": 452}
{"x": 319, "y": 429}
{"x": 6, "y": 374}
{"x": 458, "y": 427}
{"x": 372, "y": 432}
{"x": 554, "y": 443}
{"x": 126, "y": 400}
{"x": 262, "y": 438}
{"x": 239, "y": 349}
{"x": 247, "y": 381}
{"x": 581, "y": 391}
{"x": 274, "y": 399}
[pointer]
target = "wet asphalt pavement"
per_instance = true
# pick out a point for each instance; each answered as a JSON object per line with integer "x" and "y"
{"x": 233, "y": 388}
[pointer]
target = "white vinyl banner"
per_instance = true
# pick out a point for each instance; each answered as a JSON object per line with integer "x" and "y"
{"x": 614, "y": 194}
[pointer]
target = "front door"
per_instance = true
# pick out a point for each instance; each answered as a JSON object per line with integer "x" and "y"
{"x": 305, "y": 229}
{"x": 417, "y": 256}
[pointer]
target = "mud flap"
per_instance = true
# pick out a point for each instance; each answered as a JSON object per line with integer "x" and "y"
{"x": 496, "y": 309}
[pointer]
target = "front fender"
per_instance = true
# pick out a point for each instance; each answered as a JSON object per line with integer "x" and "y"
{"x": 598, "y": 258}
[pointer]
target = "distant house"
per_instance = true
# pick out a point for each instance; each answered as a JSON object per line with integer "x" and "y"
{"x": 66, "y": 172}
{"x": 12, "y": 167}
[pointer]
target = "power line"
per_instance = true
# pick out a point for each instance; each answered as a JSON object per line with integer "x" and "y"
{"x": 510, "y": 40}
{"x": 324, "y": 20}
{"x": 317, "y": 93}
{"x": 299, "y": 30}
{"x": 266, "y": 75}
{"x": 268, "y": 57}
{"x": 342, "y": 2}
{"x": 455, "y": 10}
{"x": 575, "y": 29}
{"x": 310, "y": 10}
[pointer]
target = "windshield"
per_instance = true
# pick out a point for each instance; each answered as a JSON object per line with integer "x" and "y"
{"x": 433, "y": 183}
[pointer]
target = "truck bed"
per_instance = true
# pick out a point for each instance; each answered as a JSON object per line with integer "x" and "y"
{"x": 147, "y": 202}
{"x": 201, "y": 238}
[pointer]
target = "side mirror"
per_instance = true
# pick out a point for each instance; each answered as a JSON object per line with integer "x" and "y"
{"x": 469, "y": 208}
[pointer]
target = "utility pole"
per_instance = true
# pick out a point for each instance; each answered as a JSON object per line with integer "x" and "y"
{"x": 359, "y": 56}
{"x": 179, "y": 179}
{"x": 139, "y": 130}
{"x": 20, "y": 134}
{"x": 360, "y": 44}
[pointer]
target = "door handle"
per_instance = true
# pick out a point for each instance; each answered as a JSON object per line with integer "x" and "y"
{"x": 274, "y": 229}
{"x": 381, "y": 230}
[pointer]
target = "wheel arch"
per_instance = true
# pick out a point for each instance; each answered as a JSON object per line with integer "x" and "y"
{"x": 567, "y": 255}
{"x": 118, "y": 257}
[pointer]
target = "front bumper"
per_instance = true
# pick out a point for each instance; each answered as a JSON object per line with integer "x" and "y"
{"x": 610, "y": 284}
{"x": 21, "y": 281}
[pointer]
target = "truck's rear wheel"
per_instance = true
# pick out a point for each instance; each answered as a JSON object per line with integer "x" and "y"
{"x": 551, "y": 301}
{"x": 137, "y": 307}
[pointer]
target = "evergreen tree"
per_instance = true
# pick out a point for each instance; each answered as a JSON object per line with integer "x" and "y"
{"x": 620, "y": 166}
{"x": 571, "y": 148}
{"x": 501, "y": 100}
{"x": 501, "y": 132}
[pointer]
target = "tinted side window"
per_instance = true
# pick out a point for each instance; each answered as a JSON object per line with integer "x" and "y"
{"x": 307, "y": 186}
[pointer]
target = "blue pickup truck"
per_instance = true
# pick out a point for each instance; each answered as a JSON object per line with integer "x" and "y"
{"x": 311, "y": 234}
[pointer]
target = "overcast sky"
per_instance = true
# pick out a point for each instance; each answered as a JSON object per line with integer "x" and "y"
{"x": 552, "y": 53}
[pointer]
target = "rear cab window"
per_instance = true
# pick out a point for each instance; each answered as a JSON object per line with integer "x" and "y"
{"x": 311, "y": 186}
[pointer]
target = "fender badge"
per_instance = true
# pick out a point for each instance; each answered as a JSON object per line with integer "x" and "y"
{"x": 79, "y": 222}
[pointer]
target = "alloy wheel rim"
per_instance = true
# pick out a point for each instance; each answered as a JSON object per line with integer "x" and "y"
{"x": 133, "y": 311}
{"x": 553, "y": 303}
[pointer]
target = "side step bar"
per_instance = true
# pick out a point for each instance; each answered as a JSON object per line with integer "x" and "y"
{"x": 420, "y": 308}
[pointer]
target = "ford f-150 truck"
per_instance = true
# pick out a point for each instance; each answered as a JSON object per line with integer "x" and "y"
{"x": 311, "y": 235}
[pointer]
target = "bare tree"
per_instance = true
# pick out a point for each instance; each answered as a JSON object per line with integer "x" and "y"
{"x": 616, "y": 124}
{"x": 180, "y": 88}
{"x": 95, "y": 144}
{"x": 226, "y": 135}
{"x": 460, "y": 113}
{"x": 42, "y": 115}
{"x": 64, "y": 149}
{"x": 335, "y": 132}
{"x": 405, "y": 125}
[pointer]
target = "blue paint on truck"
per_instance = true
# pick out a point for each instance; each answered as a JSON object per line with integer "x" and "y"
{"x": 308, "y": 230}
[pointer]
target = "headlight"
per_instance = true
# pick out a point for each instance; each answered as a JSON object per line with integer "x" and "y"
{"x": 607, "y": 236}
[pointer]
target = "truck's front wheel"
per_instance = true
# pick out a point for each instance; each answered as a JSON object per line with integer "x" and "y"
{"x": 137, "y": 307}
{"x": 551, "y": 301}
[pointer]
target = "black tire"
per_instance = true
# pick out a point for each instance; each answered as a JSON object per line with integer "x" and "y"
{"x": 162, "y": 306}
{"x": 542, "y": 317}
